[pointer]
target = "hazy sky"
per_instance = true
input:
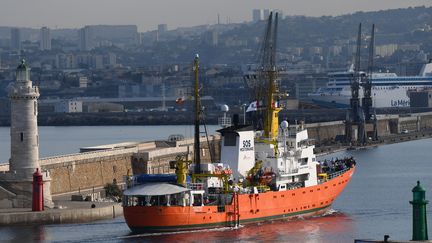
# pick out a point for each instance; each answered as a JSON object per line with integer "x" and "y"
{"x": 147, "y": 14}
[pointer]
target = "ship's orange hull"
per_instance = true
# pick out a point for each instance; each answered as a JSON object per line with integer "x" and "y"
{"x": 307, "y": 201}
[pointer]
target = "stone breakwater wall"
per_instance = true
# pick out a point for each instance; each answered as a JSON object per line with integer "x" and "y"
{"x": 91, "y": 169}
{"x": 327, "y": 132}
{"x": 155, "y": 161}
{"x": 387, "y": 125}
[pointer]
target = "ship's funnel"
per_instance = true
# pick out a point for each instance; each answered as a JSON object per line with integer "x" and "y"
{"x": 237, "y": 149}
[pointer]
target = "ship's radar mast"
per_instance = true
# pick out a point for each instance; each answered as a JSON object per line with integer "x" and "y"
{"x": 197, "y": 157}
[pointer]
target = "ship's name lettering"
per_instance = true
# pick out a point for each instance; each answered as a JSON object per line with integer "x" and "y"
{"x": 400, "y": 103}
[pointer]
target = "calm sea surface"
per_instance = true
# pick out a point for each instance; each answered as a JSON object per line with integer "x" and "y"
{"x": 375, "y": 203}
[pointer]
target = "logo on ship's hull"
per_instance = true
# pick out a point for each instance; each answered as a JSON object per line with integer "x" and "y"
{"x": 247, "y": 146}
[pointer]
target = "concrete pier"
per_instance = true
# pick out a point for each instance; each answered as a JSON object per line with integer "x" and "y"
{"x": 74, "y": 212}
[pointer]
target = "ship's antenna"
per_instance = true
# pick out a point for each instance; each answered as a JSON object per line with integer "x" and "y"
{"x": 197, "y": 157}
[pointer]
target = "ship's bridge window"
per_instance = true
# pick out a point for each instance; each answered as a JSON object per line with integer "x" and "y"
{"x": 230, "y": 139}
{"x": 160, "y": 200}
{"x": 304, "y": 142}
{"x": 303, "y": 161}
{"x": 198, "y": 200}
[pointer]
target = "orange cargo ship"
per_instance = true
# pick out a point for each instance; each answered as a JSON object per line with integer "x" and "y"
{"x": 244, "y": 208}
{"x": 261, "y": 175}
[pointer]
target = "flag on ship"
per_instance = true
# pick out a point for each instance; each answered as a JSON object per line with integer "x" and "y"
{"x": 253, "y": 106}
{"x": 180, "y": 100}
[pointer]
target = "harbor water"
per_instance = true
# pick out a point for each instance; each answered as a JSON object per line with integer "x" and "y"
{"x": 375, "y": 203}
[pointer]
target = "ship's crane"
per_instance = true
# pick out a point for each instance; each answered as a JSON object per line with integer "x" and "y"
{"x": 355, "y": 82}
{"x": 367, "y": 95}
{"x": 360, "y": 114}
{"x": 367, "y": 81}
{"x": 354, "y": 115}
{"x": 268, "y": 72}
{"x": 367, "y": 88}
{"x": 264, "y": 82}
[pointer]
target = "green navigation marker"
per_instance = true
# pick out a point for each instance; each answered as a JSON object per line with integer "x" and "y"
{"x": 419, "y": 213}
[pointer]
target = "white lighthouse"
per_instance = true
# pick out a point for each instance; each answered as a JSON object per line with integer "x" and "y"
{"x": 16, "y": 184}
{"x": 24, "y": 131}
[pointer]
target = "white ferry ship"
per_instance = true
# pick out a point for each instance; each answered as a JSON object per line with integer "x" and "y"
{"x": 388, "y": 89}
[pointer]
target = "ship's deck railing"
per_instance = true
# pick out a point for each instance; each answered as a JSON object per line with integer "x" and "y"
{"x": 224, "y": 121}
{"x": 338, "y": 173}
{"x": 195, "y": 186}
{"x": 295, "y": 185}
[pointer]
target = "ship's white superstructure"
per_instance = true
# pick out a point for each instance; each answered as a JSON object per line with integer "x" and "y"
{"x": 388, "y": 89}
{"x": 289, "y": 160}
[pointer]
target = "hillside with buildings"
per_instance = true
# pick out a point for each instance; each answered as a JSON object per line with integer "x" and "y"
{"x": 115, "y": 68}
